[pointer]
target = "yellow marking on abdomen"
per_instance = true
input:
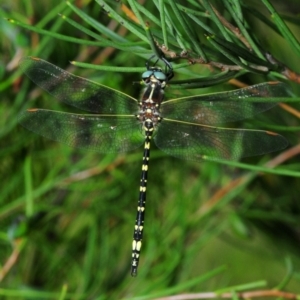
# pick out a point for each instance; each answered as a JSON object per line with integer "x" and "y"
{"x": 140, "y": 208}
{"x": 138, "y": 245}
{"x": 142, "y": 189}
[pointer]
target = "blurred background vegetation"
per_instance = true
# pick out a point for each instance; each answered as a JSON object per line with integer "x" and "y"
{"x": 67, "y": 215}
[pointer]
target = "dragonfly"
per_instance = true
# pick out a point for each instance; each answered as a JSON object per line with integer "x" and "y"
{"x": 182, "y": 127}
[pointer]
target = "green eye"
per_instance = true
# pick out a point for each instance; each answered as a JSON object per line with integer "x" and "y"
{"x": 147, "y": 74}
{"x": 160, "y": 76}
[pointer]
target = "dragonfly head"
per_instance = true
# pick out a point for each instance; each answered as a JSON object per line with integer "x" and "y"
{"x": 154, "y": 74}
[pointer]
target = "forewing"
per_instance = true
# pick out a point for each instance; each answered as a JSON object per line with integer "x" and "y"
{"x": 193, "y": 141}
{"x": 93, "y": 132}
{"x": 77, "y": 91}
{"x": 213, "y": 109}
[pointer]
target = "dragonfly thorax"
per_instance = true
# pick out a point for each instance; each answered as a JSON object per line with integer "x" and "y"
{"x": 149, "y": 106}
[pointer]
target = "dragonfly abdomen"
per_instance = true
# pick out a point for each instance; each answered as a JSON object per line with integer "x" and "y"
{"x": 140, "y": 216}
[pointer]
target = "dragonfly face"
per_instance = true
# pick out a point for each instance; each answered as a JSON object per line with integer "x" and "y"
{"x": 184, "y": 127}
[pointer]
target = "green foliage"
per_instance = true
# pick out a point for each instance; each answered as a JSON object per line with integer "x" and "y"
{"x": 66, "y": 215}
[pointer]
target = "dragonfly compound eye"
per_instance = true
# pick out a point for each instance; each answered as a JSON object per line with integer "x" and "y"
{"x": 147, "y": 75}
{"x": 160, "y": 76}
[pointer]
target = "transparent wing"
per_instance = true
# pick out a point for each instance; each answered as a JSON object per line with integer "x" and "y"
{"x": 93, "y": 132}
{"x": 76, "y": 91}
{"x": 192, "y": 141}
{"x": 224, "y": 107}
